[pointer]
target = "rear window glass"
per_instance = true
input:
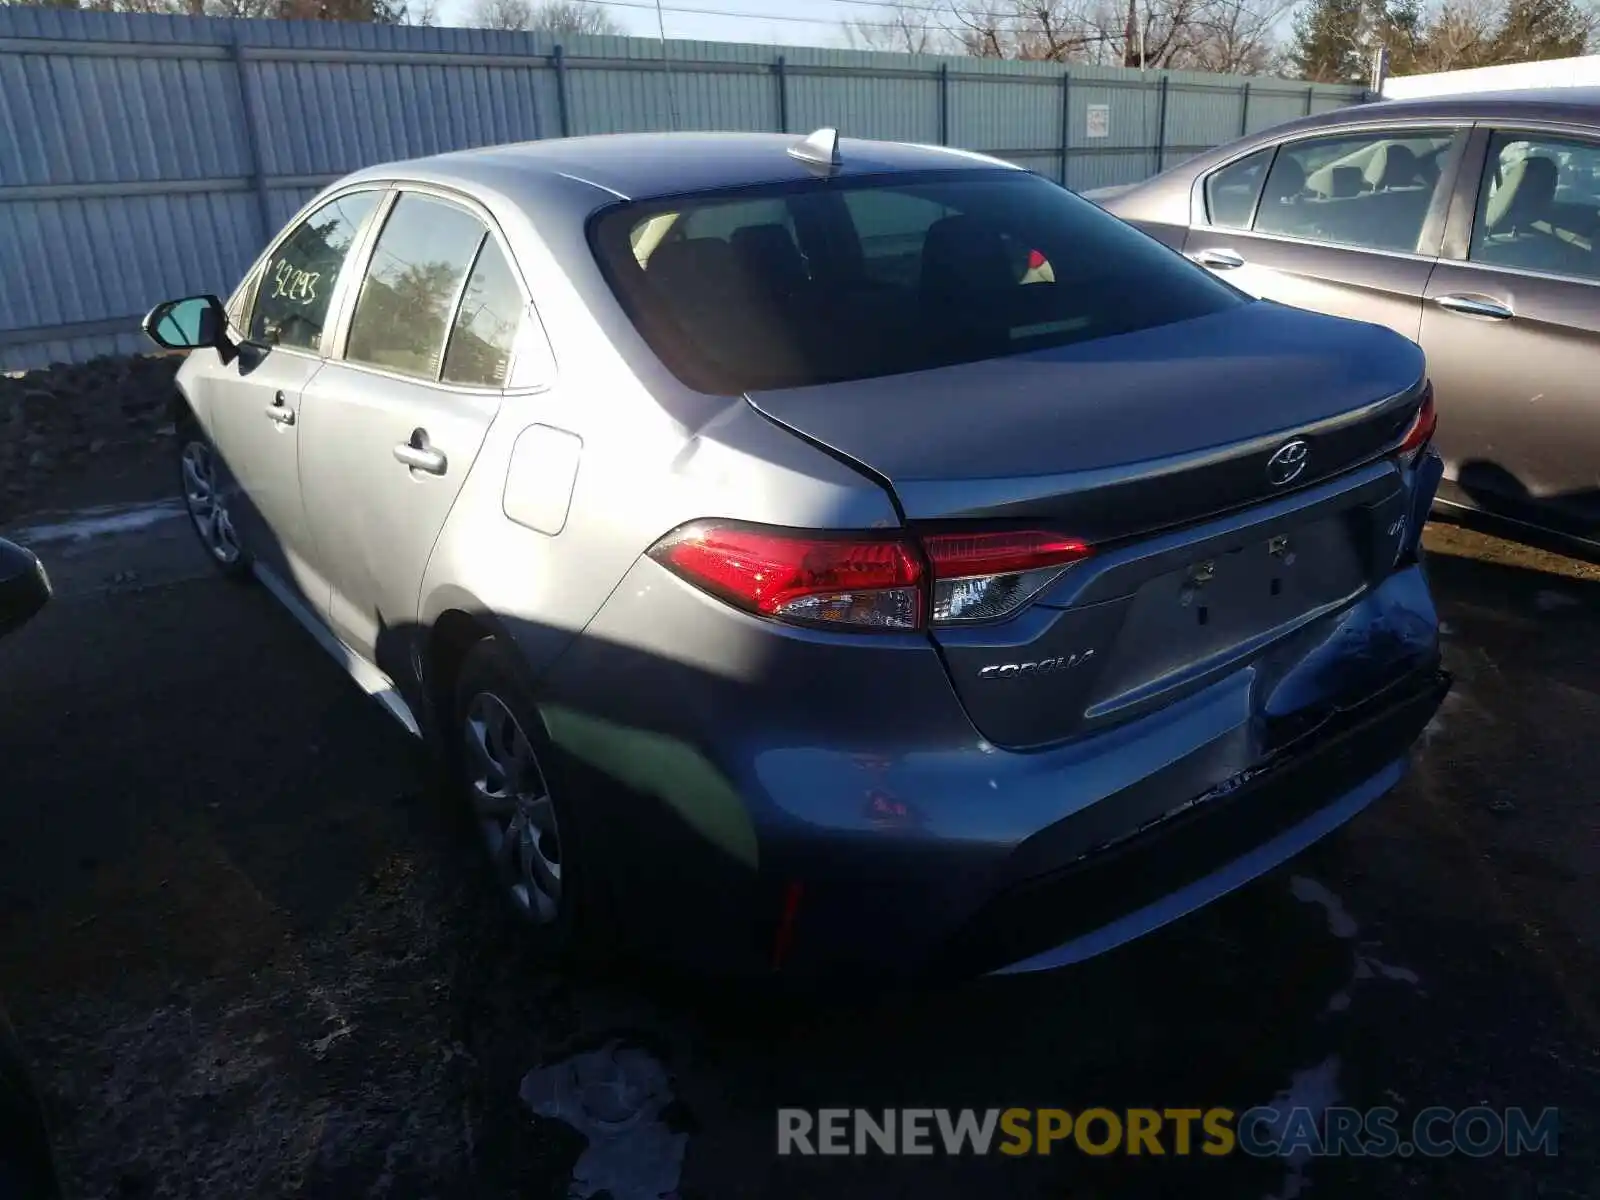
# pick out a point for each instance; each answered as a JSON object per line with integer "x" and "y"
{"x": 850, "y": 279}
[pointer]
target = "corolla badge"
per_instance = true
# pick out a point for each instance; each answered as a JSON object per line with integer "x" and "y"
{"x": 1043, "y": 666}
{"x": 1288, "y": 462}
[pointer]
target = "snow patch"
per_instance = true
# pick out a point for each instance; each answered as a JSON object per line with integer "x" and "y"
{"x": 615, "y": 1097}
{"x": 1315, "y": 1089}
{"x": 100, "y": 522}
{"x": 1308, "y": 891}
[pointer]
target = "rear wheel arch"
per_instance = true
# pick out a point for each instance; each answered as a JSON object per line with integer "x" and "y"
{"x": 452, "y": 636}
{"x": 458, "y": 624}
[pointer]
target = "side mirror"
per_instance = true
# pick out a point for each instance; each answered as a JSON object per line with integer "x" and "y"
{"x": 196, "y": 322}
{"x": 24, "y": 587}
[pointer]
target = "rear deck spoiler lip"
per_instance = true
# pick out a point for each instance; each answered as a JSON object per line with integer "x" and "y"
{"x": 923, "y": 495}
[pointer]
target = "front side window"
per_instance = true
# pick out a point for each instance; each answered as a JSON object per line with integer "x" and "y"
{"x": 1231, "y": 192}
{"x": 409, "y": 295}
{"x": 1367, "y": 191}
{"x": 296, "y": 285}
{"x": 1539, "y": 206}
{"x": 885, "y": 275}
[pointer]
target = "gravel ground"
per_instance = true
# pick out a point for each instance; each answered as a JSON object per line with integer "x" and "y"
{"x": 243, "y": 946}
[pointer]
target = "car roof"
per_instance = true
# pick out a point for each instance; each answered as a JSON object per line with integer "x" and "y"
{"x": 635, "y": 166}
{"x": 1577, "y": 104}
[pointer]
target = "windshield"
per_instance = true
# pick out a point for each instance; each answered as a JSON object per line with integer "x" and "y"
{"x": 837, "y": 280}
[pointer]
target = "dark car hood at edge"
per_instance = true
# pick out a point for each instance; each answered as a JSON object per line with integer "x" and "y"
{"x": 1124, "y": 434}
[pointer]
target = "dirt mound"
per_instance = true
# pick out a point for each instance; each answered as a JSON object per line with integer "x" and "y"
{"x": 69, "y": 423}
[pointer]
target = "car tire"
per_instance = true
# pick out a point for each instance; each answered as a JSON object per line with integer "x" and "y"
{"x": 508, "y": 776}
{"x": 206, "y": 488}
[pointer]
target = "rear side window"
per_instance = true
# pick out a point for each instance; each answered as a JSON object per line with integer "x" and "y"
{"x": 1368, "y": 191}
{"x": 1539, "y": 206}
{"x": 295, "y": 287}
{"x": 1231, "y": 192}
{"x": 885, "y": 275}
{"x": 485, "y": 329}
{"x": 409, "y": 295}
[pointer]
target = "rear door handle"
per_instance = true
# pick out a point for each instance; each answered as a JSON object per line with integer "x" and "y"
{"x": 1218, "y": 260}
{"x": 1476, "y": 306}
{"x": 419, "y": 455}
{"x": 280, "y": 411}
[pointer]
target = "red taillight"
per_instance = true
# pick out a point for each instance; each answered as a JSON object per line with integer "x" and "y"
{"x": 955, "y": 555}
{"x": 864, "y": 580}
{"x": 1422, "y": 428}
{"x": 1035, "y": 260}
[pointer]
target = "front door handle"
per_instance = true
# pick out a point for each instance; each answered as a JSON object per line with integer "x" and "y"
{"x": 1475, "y": 306}
{"x": 1218, "y": 260}
{"x": 419, "y": 454}
{"x": 280, "y": 411}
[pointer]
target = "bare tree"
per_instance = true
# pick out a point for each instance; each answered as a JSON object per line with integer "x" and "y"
{"x": 1043, "y": 30}
{"x": 1458, "y": 36}
{"x": 904, "y": 27}
{"x": 554, "y": 16}
{"x": 1236, "y": 36}
{"x": 501, "y": 14}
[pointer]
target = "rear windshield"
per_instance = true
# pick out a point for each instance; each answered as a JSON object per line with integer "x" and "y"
{"x": 850, "y": 279}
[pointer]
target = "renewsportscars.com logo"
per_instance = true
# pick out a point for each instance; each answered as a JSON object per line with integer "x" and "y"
{"x": 1260, "y": 1132}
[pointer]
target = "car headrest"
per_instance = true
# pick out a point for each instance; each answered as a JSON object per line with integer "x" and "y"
{"x": 769, "y": 255}
{"x": 1525, "y": 193}
{"x": 695, "y": 268}
{"x": 1393, "y": 166}
{"x": 962, "y": 255}
{"x": 1344, "y": 182}
{"x": 1286, "y": 182}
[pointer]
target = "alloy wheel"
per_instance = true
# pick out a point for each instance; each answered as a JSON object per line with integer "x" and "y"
{"x": 512, "y": 803}
{"x": 208, "y": 504}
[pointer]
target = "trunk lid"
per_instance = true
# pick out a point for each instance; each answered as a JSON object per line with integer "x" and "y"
{"x": 1165, "y": 450}
{"x": 1121, "y": 436}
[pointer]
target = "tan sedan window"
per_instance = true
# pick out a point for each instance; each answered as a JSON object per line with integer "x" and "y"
{"x": 1368, "y": 191}
{"x": 1539, "y": 208}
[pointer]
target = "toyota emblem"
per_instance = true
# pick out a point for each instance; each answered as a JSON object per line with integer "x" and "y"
{"x": 1288, "y": 462}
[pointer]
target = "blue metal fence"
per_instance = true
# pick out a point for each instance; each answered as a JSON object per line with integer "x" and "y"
{"x": 147, "y": 156}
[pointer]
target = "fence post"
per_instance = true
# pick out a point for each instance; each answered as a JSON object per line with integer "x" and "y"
{"x": 1161, "y": 126}
{"x": 783, "y": 95}
{"x": 558, "y": 59}
{"x": 944, "y": 104}
{"x": 1244, "y": 112}
{"x": 252, "y": 146}
{"x": 1311, "y": 94}
{"x": 1066, "y": 122}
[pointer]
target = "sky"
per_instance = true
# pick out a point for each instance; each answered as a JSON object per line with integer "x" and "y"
{"x": 766, "y": 22}
{"x": 762, "y": 22}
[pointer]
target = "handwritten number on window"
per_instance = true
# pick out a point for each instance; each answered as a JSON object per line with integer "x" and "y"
{"x": 293, "y": 285}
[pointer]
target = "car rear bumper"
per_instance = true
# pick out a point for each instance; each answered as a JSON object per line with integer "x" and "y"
{"x": 759, "y": 815}
{"x": 1227, "y": 837}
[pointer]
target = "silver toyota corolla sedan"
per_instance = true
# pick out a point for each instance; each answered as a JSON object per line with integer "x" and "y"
{"x": 825, "y": 555}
